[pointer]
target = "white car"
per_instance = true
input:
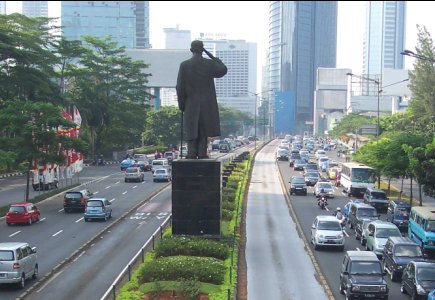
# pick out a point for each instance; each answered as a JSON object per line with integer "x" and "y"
{"x": 327, "y": 231}
{"x": 320, "y": 153}
{"x": 162, "y": 175}
{"x": 327, "y": 187}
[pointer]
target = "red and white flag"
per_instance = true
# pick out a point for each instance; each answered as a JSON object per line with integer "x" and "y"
{"x": 77, "y": 116}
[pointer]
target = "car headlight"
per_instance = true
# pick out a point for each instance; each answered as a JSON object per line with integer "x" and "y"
{"x": 340, "y": 236}
{"x": 383, "y": 288}
{"x": 321, "y": 236}
{"x": 355, "y": 288}
{"x": 420, "y": 289}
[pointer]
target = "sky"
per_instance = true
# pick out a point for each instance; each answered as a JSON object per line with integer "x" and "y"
{"x": 249, "y": 21}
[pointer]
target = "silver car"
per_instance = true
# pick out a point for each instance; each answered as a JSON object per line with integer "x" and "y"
{"x": 327, "y": 188}
{"x": 18, "y": 262}
{"x": 98, "y": 208}
{"x": 162, "y": 175}
{"x": 327, "y": 231}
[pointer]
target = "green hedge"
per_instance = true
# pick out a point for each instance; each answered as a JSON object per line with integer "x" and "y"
{"x": 204, "y": 269}
{"x": 191, "y": 246}
{"x": 228, "y": 205}
{"x": 227, "y": 215}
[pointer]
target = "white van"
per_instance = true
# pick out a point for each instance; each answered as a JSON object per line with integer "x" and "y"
{"x": 142, "y": 157}
{"x": 161, "y": 163}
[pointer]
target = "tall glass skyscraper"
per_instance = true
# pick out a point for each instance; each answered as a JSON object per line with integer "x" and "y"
{"x": 126, "y": 21}
{"x": 35, "y": 8}
{"x": 302, "y": 38}
{"x": 384, "y": 36}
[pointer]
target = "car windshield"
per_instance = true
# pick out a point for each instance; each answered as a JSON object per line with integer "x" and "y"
{"x": 379, "y": 195}
{"x": 299, "y": 162}
{"x": 324, "y": 186}
{"x": 426, "y": 274}
{"x": 73, "y": 195}
{"x": 365, "y": 267}
{"x": 363, "y": 175}
{"x": 141, "y": 162}
{"x": 17, "y": 208}
{"x": 430, "y": 226}
{"x": 329, "y": 225}
{"x": 95, "y": 203}
{"x": 408, "y": 251}
{"x": 366, "y": 212}
{"x": 312, "y": 175}
{"x": 298, "y": 180}
{"x": 6, "y": 255}
{"x": 387, "y": 232}
{"x": 156, "y": 162}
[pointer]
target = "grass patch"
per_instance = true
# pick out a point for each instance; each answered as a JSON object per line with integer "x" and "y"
{"x": 149, "y": 287}
{"x": 394, "y": 192}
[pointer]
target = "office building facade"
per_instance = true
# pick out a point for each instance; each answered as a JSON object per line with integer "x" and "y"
{"x": 384, "y": 37}
{"x": 126, "y": 21}
{"x": 302, "y": 38}
{"x": 34, "y": 9}
{"x": 2, "y": 7}
{"x": 238, "y": 87}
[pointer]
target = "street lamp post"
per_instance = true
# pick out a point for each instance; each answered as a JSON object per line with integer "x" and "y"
{"x": 418, "y": 56}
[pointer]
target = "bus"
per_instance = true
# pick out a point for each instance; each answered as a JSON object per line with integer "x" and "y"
{"x": 356, "y": 178}
{"x": 421, "y": 226}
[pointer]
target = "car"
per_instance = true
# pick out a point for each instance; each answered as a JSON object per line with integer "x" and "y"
{"x": 299, "y": 165}
{"x": 98, "y": 208}
{"x": 76, "y": 200}
{"x": 398, "y": 252}
{"x": 376, "y": 198}
{"x": 378, "y": 234}
{"x": 431, "y": 295}
{"x": 332, "y": 173}
{"x": 22, "y": 212}
{"x": 159, "y": 164}
{"x": 361, "y": 276}
{"x": 320, "y": 153}
{"x": 327, "y": 231}
{"x": 418, "y": 279}
{"x": 224, "y": 148}
{"x": 282, "y": 154}
{"x": 293, "y": 158}
{"x": 297, "y": 185}
{"x": 144, "y": 165}
{"x": 359, "y": 212}
{"x": 162, "y": 175}
{"x": 18, "y": 262}
{"x": 127, "y": 163}
{"x": 321, "y": 161}
{"x": 134, "y": 174}
{"x": 398, "y": 213}
{"x": 361, "y": 231}
{"x": 183, "y": 151}
{"x": 170, "y": 156}
{"x": 311, "y": 178}
{"x": 326, "y": 187}
{"x": 310, "y": 167}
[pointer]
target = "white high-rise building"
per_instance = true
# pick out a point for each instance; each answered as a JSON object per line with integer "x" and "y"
{"x": 384, "y": 37}
{"x": 177, "y": 38}
{"x": 35, "y": 8}
{"x": 238, "y": 87}
{"x": 3, "y": 7}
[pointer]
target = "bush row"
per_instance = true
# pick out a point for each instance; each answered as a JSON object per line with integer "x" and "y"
{"x": 204, "y": 269}
{"x": 191, "y": 246}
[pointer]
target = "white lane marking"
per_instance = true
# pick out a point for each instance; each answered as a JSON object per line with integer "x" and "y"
{"x": 15, "y": 233}
{"x": 79, "y": 219}
{"x": 143, "y": 182}
{"x": 60, "y": 210}
{"x": 117, "y": 182}
{"x": 107, "y": 187}
{"x": 95, "y": 192}
{"x": 112, "y": 200}
{"x": 358, "y": 249}
{"x": 124, "y": 193}
{"x": 42, "y": 219}
{"x": 47, "y": 283}
{"x": 345, "y": 232}
{"x": 75, "y": 259}
{"x": 326, "y": 208}
{"x": 60, "y": 231}
{"x": 135, "y": 186}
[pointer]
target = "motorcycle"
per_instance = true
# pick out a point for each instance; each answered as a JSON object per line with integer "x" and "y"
{"x": 322, "y": 202}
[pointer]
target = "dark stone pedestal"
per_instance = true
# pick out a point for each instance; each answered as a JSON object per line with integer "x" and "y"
{"x": 196, "y": 197}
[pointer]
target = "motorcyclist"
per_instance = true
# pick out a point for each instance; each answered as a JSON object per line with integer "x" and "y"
{"x": 340, "y": 217}
{"x": 322, "y": 197}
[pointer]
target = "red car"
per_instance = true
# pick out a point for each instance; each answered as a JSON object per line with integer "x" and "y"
{"x": 22, "y": 212}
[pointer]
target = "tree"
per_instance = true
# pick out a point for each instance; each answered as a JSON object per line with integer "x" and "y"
{"x": 34, "y": 139}
{"x": 163, "y": 126}
{"x": 350, "y": 124}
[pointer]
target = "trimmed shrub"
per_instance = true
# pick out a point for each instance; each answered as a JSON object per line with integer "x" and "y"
{"x": 228, "y": 205}
{"x": 205, "y": 269}
{"x": 227, "y": 215}
{"x": 189, "y": 246}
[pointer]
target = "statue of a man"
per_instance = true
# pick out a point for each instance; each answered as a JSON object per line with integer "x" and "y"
{"x": 197, "y": 99}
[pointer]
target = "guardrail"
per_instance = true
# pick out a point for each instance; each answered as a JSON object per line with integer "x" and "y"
{"x": 138, "y": 259}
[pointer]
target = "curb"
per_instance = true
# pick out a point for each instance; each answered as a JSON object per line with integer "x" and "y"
{"x": 11, "y": 174}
